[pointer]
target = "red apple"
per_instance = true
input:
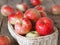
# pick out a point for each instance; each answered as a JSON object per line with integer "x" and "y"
{"x": 22, "y": 6}
{"x": 40, "y": 8}
{"x": 19, "y": 13}
{"x": 4, "y": 40}
{"x": 55, "y": 9}
{"x": 23, "y": 27}
{"x": 44, "y": 26}
{"x": 35, "y": 2}
{"x": 6, "y": 10}
{"x": 15, "y": 17}
{"x": 43, "y": 14}
{"x": 32, "y": 14}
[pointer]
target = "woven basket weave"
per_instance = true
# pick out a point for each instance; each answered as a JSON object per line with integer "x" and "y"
{"x": 43, "y": 40}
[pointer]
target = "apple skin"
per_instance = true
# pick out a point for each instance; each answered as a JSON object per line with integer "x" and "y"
{"x": 15, "y": 17}
{"x": 35, "y": 2}
{"x": 23, "y": 27}
{"x": 19, "y": 13}
{"x": 40, "y": 8}
{"x": 32, "y": 14}
{"x": 43, "y": 14}
{"x": 4, "y": 40}
{"x": 6, "y": 10}
{"x": 44, "y": 26}
{"x": 55, "y": 9}
{"x": 32, "y": 34}
{"x": 22, "y": 7}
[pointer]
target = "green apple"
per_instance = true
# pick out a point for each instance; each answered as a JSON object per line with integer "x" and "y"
{"x": 32, "y": 34}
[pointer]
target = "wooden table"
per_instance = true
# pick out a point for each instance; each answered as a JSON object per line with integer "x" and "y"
{"x": 46, "y": 3}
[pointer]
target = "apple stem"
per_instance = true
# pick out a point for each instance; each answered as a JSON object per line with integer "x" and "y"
{"x": 33, "y": 32}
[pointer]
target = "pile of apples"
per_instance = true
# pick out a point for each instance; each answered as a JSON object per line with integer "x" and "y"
{"x": 30, "y": 22}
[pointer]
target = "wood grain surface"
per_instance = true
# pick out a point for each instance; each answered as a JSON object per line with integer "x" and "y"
{"x": 47, "y": 4}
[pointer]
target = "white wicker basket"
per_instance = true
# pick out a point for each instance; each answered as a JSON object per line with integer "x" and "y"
{"x": 51, "y": 39}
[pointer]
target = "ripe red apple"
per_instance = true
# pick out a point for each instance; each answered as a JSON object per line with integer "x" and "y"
{"x": 32, "y": 34}
{"x": 4, "y": 40}
{"x": 15, "y": 17}
{"x": 35, "y": 2}
{"x": 19, "y": 13}
{"x": 40, "y": 8}
{"x": 6, "y": 10}
{"x": 44, "y": 26}
{"x": 22, "y": 6}
{"x": 55, "y": 9}
{"x": 32, "y": 14}
{"x": 23, "y": 27}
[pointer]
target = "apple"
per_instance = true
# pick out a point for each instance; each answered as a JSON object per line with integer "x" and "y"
{"x": 4, "y": 40}
{"x": 19, "y": 13}
{"x": 55, "y": 9}
{"x": 32, "y": 34}
{"x": 6, "y": 10}
{"x": 23, "y": 27}
{"x": 23, "y": 6}
{"x": 15, "y": 17}
{"x": 40, "y": 8}
{"x": 32, "y": 14}
{"x": 44, "y": 26}
{"x": 35, "y": 2}
{"x": 43, "y": 14}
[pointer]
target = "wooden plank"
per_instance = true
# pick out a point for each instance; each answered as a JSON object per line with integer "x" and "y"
{"x": 57, "y": 2}
{"x": 2, "y": 2}
{"x": 1, "y": 19}
{"x": 47, "y": 4}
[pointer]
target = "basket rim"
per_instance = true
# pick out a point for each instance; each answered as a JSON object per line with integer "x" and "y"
{"x": 56, "y": 31}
